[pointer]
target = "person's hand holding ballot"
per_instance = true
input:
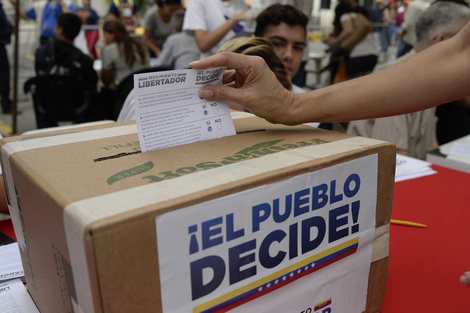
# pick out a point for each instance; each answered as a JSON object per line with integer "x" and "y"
{"x": 437, "y": 75}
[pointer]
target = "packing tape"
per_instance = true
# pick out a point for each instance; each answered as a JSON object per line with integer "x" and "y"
{"x": 380, "y": 245}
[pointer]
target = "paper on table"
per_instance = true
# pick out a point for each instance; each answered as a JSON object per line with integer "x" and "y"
{"x": 15, "y": 299}
{"x": 170, "y": 111}
{"x": 10, "y": 262}
{"x": 460, "y": 149}
{"x": 409, "y": 168}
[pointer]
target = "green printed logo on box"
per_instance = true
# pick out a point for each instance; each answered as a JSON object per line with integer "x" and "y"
{"x": 130, "y": 172}
{"x": 254, "y": 151}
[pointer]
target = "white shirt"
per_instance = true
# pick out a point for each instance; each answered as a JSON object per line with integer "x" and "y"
{"x": 208, "y": 15}
{"x": 412, "y": 13}
{"x": 303, "y": 5}
{"x": 128, "y": 108}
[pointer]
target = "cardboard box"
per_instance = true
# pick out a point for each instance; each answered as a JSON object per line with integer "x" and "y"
{"x": 85, "y": 205}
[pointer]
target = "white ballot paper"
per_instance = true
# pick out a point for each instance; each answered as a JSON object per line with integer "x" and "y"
{"x": 409, "y": 168}
{"x": 10, "y": 262}
{"x": 170, "y": 112}
{"x": 15, "y": 299}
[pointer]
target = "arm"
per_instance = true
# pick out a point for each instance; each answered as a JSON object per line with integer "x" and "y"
{"x": 107, "y": 77}
{"x": 206, "y": 41}
{"x": 149, "y": 42}
{"x": 136, "y": 19}
{"x": 362, "y": 27}
{"x": 348, "y": 29}
{"x": 167, "y": 55}
{"x": 420, "y": 82}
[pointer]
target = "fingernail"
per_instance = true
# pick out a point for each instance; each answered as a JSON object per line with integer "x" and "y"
{"x": 207, "y": 94}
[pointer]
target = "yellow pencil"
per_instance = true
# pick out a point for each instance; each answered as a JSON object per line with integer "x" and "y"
{"x": 406, "y": 223}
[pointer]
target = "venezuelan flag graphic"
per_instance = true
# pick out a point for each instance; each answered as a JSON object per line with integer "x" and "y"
{"x": 322, "y": 305}
{"x": 279, "y": 279}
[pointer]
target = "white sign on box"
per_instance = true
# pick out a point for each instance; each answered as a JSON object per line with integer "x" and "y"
{"x": 170, "y": 111}
{"x": 304, "y": 243}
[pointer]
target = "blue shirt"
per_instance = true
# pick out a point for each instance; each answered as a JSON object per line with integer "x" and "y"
{"x": 115, "y": 10}
{"x": 49, "y": 17}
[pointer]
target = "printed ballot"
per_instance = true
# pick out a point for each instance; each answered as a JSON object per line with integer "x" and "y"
{"x": 14, "y": 298}
{"x": 170, "y": 111}
{"x": 10, "y": 262}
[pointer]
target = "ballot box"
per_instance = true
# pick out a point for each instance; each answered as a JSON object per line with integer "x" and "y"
{"x": 272, "y": 219}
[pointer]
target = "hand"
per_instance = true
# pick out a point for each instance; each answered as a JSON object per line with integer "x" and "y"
{"x": 243, "y": 16}
{"x": 248, "y": 82}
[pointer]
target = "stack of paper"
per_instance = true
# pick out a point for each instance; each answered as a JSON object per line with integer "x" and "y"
{"x": 409, "y": 168}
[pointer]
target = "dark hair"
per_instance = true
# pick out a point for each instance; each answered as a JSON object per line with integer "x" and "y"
{"x": 160, "y": 3}
{"x": 341, "y": 8}
{"x": 125, "y": 41}
{"x": 277, "y": 14}
{"x": 70, "y": 23}
{"x": 262, "y": 47}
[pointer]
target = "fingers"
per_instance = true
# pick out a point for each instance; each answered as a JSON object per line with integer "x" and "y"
{"x": 229, "y": 76}
{"x": 465, "y": 279}
{"x": 221, "y": 93}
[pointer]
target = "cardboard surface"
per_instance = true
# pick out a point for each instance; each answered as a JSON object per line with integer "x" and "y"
{"x": 84, "y": 202}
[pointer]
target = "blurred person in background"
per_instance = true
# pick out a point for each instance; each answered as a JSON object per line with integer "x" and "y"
{"x": 216, "y": 22}
{"x": 91, "y": 18}
{"x": 6, "y": 30}
{"x": 122, "y": 54}
{"x": 408, "y": 34}
{"x": 179, "y": 49}
{"x": 363, "y": 56}
{"x": 127, "y": 11}
{"x": 285, "y": 27}
{"x": 45, "y": 14}
{"x": 415, "y": 133}
{"x": 158, "y": 26}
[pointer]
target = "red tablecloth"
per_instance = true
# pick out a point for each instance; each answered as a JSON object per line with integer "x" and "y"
{"x": 426, "y": 263}
{"x": 6, "y": 227}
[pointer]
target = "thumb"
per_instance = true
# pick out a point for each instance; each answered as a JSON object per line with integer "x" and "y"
{"x": 221, "y": 93}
